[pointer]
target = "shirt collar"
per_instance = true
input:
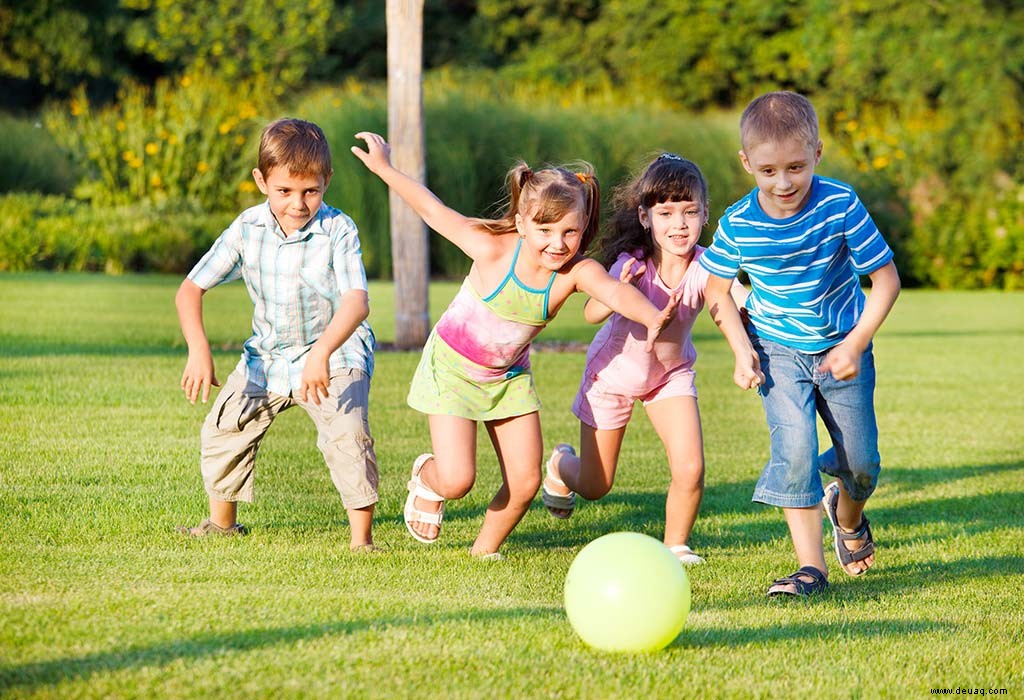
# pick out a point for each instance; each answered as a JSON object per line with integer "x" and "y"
{"x": 313, "y": 226}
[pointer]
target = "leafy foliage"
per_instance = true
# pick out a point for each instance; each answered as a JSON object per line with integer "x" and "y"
{"x": 186, "y": 140}
{"x": 236, "y": 39}
{"x": 55, "y": 233}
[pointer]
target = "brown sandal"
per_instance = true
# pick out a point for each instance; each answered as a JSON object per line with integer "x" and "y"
{"x": 208, "y": 527}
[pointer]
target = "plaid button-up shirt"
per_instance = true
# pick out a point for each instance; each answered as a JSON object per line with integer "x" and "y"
{"x": 295, "y": 283}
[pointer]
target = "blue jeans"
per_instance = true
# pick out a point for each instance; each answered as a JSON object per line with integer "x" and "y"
{"x": 795, "y": 392}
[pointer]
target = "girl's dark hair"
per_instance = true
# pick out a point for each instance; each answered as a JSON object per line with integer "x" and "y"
{"x": 547, "y": 195}
{"x": 668, "y": 178}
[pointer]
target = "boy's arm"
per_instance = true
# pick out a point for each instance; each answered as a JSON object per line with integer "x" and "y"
{"x": 353, "y": 309}
{"x": 436, "y": 214}
{"x": 596, "y": 312}
{"x": 592, "y": 279}
{"x": 199, "y": 375}
{"x": 717, "y": 295}
{"x": 843, "y": 361}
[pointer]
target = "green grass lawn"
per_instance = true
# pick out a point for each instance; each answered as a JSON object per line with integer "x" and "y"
{"x": 100, "y": 598}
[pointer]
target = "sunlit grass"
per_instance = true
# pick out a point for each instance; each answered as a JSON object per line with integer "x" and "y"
{"x": 99, "y": 598}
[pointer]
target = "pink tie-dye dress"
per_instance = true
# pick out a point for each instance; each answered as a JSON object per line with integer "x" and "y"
{"x": 476, "y": 362}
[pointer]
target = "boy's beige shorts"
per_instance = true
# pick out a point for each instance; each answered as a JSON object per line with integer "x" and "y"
{"x": 242, "y": 414}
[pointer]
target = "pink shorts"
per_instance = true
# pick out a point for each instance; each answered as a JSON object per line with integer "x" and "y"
{"x": 606, "y": 408}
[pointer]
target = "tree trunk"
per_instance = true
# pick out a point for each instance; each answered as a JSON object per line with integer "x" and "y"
{"x": 409, "y": 237}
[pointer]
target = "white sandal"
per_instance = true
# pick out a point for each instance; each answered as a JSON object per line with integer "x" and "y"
{"x": 558, "y": 501}
{"x": 417, "y": 489}
{"x": 685, "y": 555}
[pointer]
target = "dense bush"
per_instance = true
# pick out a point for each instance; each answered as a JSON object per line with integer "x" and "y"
{"x": 40, "y": 232}
{"x": 191, "y": 139}
{"x": 32, "y": 161}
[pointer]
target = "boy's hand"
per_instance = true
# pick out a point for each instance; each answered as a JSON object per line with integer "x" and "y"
{"x": 627, "y": 274}
{"x": 747, "y": 373}
{"x": 377, "y": 156}
{"x": 843, "y": 361}
{"x": 316, "y": 376}
{"x": 664, "y": 318}
{"x": 198, "y": 376}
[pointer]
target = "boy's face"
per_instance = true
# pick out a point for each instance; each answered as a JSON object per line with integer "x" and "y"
{"x": 294, "y": 199}
{"x": 783, "y": 173}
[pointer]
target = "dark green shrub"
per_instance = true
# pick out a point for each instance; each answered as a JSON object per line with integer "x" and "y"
{"x": 32, "y": 161}
{"x": 55, "y": 233}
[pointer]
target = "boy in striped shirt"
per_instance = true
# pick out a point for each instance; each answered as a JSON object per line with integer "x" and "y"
{"x": 310, "y": 346}
{"x": 804, "y": 242}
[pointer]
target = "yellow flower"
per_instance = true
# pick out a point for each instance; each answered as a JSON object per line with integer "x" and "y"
{"x": 76, "y": 108}
{"x": 185, "y": 81}
{"x": 880, "y": 162}
{"x": 247, "y": 186}
{"x": 152, "y": 148}
{"x": 120, "y": 125}
{"x": 224, "y": 127}
{"x": 202, "y": 167}
{"x": 155, "y": 180}
{"x": 172, "y": 139}
{"x": 851, "y": 125}
{"x": 240, "y": 140}
{"x": 128, "y": 156}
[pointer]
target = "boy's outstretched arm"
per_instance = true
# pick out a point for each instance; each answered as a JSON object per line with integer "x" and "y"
{"x": 199, "y": 375}
{"x": 717, "y": 295}
{"x": 316, "y": 373}
{"x": 435, "y": 213}
{"x": 592, "y": 279}
{"x": 843, "y": 361}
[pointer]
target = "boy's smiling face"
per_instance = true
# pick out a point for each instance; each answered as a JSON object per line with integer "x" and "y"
{"x": 783, "y": 173}
{"x": 294, "y": 199}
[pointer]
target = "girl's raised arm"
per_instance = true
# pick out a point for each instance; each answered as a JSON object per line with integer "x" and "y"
{"x": 435, "y": 213}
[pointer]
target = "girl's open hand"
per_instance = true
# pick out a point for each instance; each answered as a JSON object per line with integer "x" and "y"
{"x": 377, "y": 155}
{"x": 664, "y": 318}
{"x": 627, "y": 274}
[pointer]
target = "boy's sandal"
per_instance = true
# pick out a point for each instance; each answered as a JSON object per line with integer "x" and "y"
{"x": 208, "y": 527}
{"x": 840, "y": 537}
{"x": 555, "y": 502}
{"x": 817, "y": 584}
{"x": 417, "y": 489}
{"x": 685, "y": 555}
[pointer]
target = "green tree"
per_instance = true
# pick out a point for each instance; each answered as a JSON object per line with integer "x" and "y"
{"x": 56, "y": 44}
{"x": 236, "y": 39}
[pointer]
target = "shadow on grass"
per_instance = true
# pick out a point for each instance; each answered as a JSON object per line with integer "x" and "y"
{"x": 44, "y": 673}
{"x": 853, "y": 631}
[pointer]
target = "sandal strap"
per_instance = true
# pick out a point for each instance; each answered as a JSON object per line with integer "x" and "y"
{"x": 818, "y": 582}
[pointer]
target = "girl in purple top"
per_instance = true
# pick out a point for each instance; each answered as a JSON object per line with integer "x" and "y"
{"x": 475, "y": 364}
{"x": 653, "y": 244}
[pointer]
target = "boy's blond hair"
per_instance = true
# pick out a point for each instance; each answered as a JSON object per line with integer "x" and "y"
{"x": 297, "y": 144}
{"x": 776, "y": 117}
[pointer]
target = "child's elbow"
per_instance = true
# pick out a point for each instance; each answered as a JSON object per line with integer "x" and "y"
{"x": 358, "y": 303}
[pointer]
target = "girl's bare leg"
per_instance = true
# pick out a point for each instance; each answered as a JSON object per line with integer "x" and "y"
{"x": 518, "y": 444}
{"x": 591, "y": 473}
{"x": 450, "y": 474}
{"x": 677, "y": 422}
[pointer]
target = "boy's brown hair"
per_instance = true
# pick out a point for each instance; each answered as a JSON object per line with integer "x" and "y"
{"x": 297, "y": 144}
{"x": 776, "y": 117}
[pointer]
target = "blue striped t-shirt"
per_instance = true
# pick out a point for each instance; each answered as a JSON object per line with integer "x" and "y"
{"x": 804, "y": 270}
{"x": 296, "y": 283}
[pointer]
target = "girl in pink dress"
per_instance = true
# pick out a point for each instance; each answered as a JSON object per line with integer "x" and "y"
{"x": 653, "y": 244}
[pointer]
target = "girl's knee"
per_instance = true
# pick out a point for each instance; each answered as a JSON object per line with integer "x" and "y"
{"x": 452, "y": 483}
{"x": 594, "y": 491}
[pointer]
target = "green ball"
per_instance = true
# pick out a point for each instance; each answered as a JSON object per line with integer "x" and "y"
{"x": 627, "y": 592}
